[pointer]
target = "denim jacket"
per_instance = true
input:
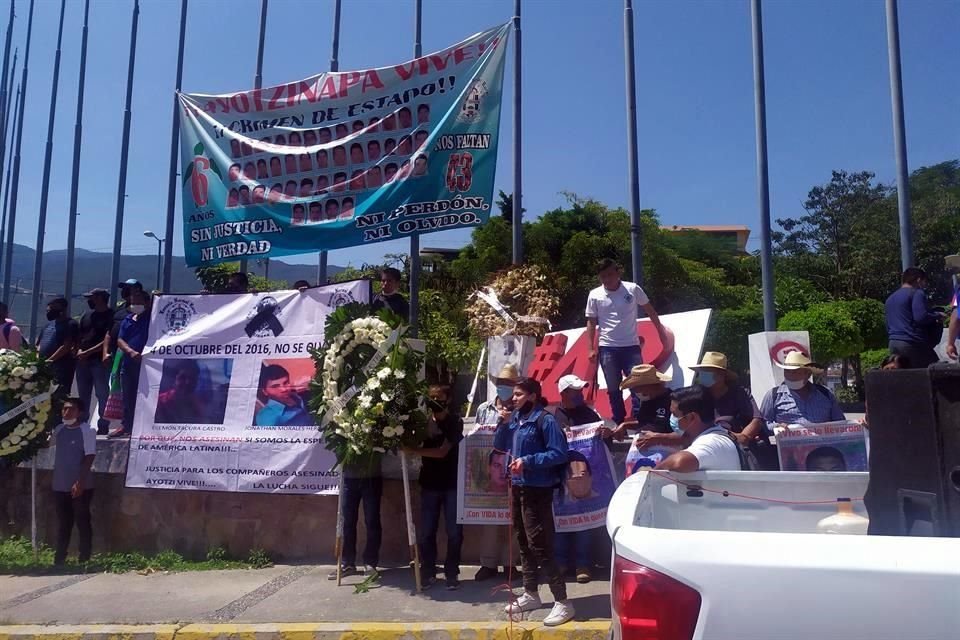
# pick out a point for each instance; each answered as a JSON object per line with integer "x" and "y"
{"x": 520, "y": 438}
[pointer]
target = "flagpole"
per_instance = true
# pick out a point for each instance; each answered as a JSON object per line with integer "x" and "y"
{"x": 14, "y": 192}
{"x": 763, "y": 181}
{"x": 334, "y": 66}
{"x": 4, "y": 89}
{"x": 899, "y": 135}
{"x": 517, "y": 141}
{"x": 415, "y": 237}
{"x": 6, "y": 190}
{"x": 75, "y": 174}
{"x": 45, "y": 184}
{"x": 124, "y": 149}
{"x": 258, "y": 77}
{"x": 636, "y": 230}
{"x": 174, "y": 143}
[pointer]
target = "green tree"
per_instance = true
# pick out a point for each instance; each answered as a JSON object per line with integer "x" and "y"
{"x": 728, "y": 333}
{"x": 833, "y": 333}
{"x": 214, "y": 278}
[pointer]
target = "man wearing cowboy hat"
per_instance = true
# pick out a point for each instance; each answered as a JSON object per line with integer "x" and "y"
{"x": 798, "y": 400}
{"x": 735, "y": 406}
{"x": 501, "y": 406}
{"x": 652, "y": 417}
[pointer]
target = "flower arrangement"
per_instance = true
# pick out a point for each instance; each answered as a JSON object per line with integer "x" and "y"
{"x": 525, "y": 294}
{"x": 369, "y": 385}
{"x": 23, "y": 376}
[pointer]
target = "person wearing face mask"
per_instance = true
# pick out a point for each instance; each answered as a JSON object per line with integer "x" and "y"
{"x": 711, "y": 448}
{"x": 93, "y": 375}
{"x": 573, "y": 410}
{"x": 735, "y": 406}
{"x": 56, "y": 342}
{"x": 131, "y": 341}
{"x": 495, "y": 543}
{"x": 537, "y": 449}
{"x": 75, "y": 444}
{"x": 438, "y": 488}
{"x": 122, "y": 311}
{"x": 652, "y": 417}
{"x": 798, "y": 400}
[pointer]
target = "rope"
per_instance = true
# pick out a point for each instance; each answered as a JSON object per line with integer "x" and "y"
{"x": 731, "y": 494}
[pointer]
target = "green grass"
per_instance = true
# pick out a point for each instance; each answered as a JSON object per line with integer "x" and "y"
{"x": 17, "y": 557}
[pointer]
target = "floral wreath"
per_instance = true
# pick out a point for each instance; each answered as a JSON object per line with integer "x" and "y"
{"x": 369, "y": 383}
{"x": 25, "y": 379}
{"x": 517, "y": 301}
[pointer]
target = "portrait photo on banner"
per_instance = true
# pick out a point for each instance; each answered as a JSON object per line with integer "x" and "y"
{"x": 823, "y": 447}
{"x": 193, "y": 391}
{"x": 283, "y": 393}
{"x": 485, "y": 482}
{"x": 589, "y": 478}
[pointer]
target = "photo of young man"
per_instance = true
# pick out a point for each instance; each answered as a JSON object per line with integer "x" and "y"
{"x": 423, "y": 114}
{"x": 310, "y": 138}
{"x": 420, "y": 139}
{"x": 374, "y": 125}
{"x": 339, "y": 156}
{"x": 374, "y": 177}
{"x": 297, "y": 217}
{"x": 373, "y": 150}
{"x": 316, "y": 211}
{"x": 323, "y": 183}
{"x": 404, "y": 170}
{"x": 290, "y": 189}
{"x": 280, "y": 140}
{"x": 389, "y": 122}
{"x": 420, "y": 166}
{"x": 357, "y": 180}
{"x": 244, "y": 191}
{"x": 250, "y": 171}
{"x": 389, "y": 146}
{"x": 276, "y": 193}
{"x": 405, "y": 117}
{"x": 405, "y": 147}
{"x": 233, "y": 173}
{"x": 306, "y": 188}
{"x": 323, "y": 136}
{"x": 331, "y": 209}
{"x": 235, "y": 148}
{"x": 346, "y": 210}
{"x": 262, "y": 172}
{"x": 294, "y": 139}
{"x": 276, "y": 169}
{"x": 322, "y": 160}
{"x": 342, "y": 131}
{"x": 246, "y": 148}
{"x": 282, "y": 394}
{"x": 339, "y": 182}
{"x": 306, "y": 163}
{"x": 390, "y": 172}
{"x": 259, "y": 192}
{"x": 290, "y": 163}
{"x": 233, "y": 198}
{"x": 358, "y": 126}
{"x": 356, "y": 153}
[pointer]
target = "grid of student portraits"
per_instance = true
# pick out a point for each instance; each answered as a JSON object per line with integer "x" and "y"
{"x": 322, "y": 171}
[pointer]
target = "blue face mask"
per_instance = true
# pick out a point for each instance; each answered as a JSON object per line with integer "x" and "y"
{"x": 675, "y": 423}
{"x": 707, "y": 378}
{"x": 504, "y": 392}
{"x": 578, "y": 400}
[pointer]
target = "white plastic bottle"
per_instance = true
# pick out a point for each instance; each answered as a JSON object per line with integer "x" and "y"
{"x": 844, "y": 521}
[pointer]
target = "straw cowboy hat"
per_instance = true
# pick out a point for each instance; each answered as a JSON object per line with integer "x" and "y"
{"x": 508, "y": 373}
{"x": 714, "y": 361}
{"x": 642, "y": 375}
{"x": 799, "y": 360}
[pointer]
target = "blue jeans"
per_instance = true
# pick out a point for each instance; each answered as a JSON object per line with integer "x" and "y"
{"x": 431, "y": 502}
{"x": 616, "y": 363}
{"x": 93, "y": 376}
{"x": 576, "y": 543}
{"x": 369, "y": 491}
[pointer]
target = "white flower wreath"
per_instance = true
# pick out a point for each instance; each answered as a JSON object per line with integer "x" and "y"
{"x": 22, "y": 377}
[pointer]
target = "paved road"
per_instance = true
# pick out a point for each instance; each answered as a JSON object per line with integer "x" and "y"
{"x": 278, "y": 594}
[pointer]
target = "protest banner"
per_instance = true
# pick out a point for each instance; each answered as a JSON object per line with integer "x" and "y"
{"x": 828, "y": 446}
{"x": 224, "y": 388}
{"x": 342, "y": 159}
{"x": 589, "y": 483}
{"x": 482, "y": 485}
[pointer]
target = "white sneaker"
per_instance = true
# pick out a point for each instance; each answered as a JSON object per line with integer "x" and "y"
{"x": 562, "y": 612}
{"x": 527, "y": 602}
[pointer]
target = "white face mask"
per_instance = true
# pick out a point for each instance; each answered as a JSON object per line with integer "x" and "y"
{"x": 69, "y": 421}
{"x": 137, "y": 308}
{"x": 796, "y": 385}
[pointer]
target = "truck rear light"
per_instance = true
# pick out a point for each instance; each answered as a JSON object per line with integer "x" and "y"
{"x": 652, "y": 606}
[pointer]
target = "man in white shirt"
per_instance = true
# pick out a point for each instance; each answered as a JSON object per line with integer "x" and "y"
{"x": 712, "y": 449}
{"x": 613, "y": 308}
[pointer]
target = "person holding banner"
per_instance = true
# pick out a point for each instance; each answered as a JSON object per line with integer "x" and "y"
{"x": 798, "y": 400}
{"x": 438, "y": 488}
{"x": 537, "y": 450}
{"x": 652, "y": 417}
{"x": 390, "y": 296}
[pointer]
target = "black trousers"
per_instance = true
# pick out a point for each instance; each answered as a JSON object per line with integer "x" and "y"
{"x": 69, "y": 511}
{"x": 533, "y": 523}
{"x": 919, "y": 356}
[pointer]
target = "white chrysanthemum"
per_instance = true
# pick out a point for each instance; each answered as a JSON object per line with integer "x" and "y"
{"x": 399, "y": 374}
{"x": 373, "y": 383}
{"x": 398, "y": 430}
{"x": 384, "y": 373}
{"x": 388, "y": 432}
{"x": 18, "y": 372}
{"x": 387, "y": 396}
{"x": 14, "y": 383}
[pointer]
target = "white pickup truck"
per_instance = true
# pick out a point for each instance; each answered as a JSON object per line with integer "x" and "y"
{"x": 691, "y": 563}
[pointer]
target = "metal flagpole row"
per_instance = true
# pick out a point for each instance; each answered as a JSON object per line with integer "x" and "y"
{"x": 75, "y": 173}
{"x": 6, "y": 190}
{"x": 636, "y": 231}
{"x": 899, "y": 135}
{"x": 15, "y": 188}
{"x": 124, "y": 152}
{"x": 174, "y": 143}
{"x": 334, "y": 66}
{"x": 7, "y": 76}
{"x": 258, "y": 77}
{"x": 517, "y": 141}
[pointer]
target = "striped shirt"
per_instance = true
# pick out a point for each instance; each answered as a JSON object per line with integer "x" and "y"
{"x": 785, "y": 406}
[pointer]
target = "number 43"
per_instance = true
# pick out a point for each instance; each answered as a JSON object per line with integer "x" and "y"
{"x": 460, "y": 172}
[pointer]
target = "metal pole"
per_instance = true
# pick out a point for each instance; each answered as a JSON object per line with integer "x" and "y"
{"x": 174, "y": 143}
{"x": 334, "y": 66}
{"x": 899, "y": 135}
{"x": 414, "y": 237}
{"x": 8, "y": 256}
{"x": 636, "y": 231}
{"x": 45, "y": 185}
{"x": 517, "y": 141}
{"x": 258, "y": 77}
{"x": 124, "y": 149}
{"x": 6, "y": 191}
{"x": 75, "y": 175}
{"x": 159, "y": 261}
{"x": 763, "y": 182}
{"x": 4, "y": 89}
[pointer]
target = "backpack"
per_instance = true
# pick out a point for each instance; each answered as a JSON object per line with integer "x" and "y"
{"x": 748, "y": 461}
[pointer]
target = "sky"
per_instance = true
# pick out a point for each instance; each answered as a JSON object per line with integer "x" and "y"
{"x": 828, "y": 100}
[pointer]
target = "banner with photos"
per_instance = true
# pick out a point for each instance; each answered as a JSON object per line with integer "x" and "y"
{"x": 589, "y": 482}
{"x": 343, "y": 159}
{"x": 224, "y": 391}
{"x": 828, "y": 446}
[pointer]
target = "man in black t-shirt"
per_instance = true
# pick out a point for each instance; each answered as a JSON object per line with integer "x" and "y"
{"x": 92, "y": 373}
{"x": 438, "y": 488}
{"x": 573, "y": 410}
{"x": 652, "y": 417}
{"x": 56, "y": 342}
{"x": 390, "y": 296}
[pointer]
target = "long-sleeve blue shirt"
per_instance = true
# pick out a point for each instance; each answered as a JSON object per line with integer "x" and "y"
{"x": 542, "y": 446}
{"x": 908, "y": 315}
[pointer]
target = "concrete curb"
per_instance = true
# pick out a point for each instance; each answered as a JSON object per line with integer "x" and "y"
{"x": 593, "y": 630}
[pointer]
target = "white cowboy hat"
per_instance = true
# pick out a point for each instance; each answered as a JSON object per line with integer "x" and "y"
{"x": 714, "y": 361}
{"x": 798, "y": 360}
{"x": 508, "y": 373}
{"x": 642, "y": 375}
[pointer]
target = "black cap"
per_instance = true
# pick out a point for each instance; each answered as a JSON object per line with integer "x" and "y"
{"x": 97, "y": 292}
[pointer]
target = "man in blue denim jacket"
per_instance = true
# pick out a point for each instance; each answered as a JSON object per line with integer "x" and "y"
{"x": 537, "y": 450}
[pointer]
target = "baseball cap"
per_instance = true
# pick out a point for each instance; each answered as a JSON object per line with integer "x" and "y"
{"x": 97, "y": 292}
{"x": 570, "y": 382}
{"x": 132, "y": 282}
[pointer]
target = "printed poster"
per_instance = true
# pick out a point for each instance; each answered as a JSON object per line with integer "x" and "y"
{"x": 828, "y": 446}
{"x": 483, "y": 482}
{"x": 343, "y": 159}
{"x": 224, "y": 391}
